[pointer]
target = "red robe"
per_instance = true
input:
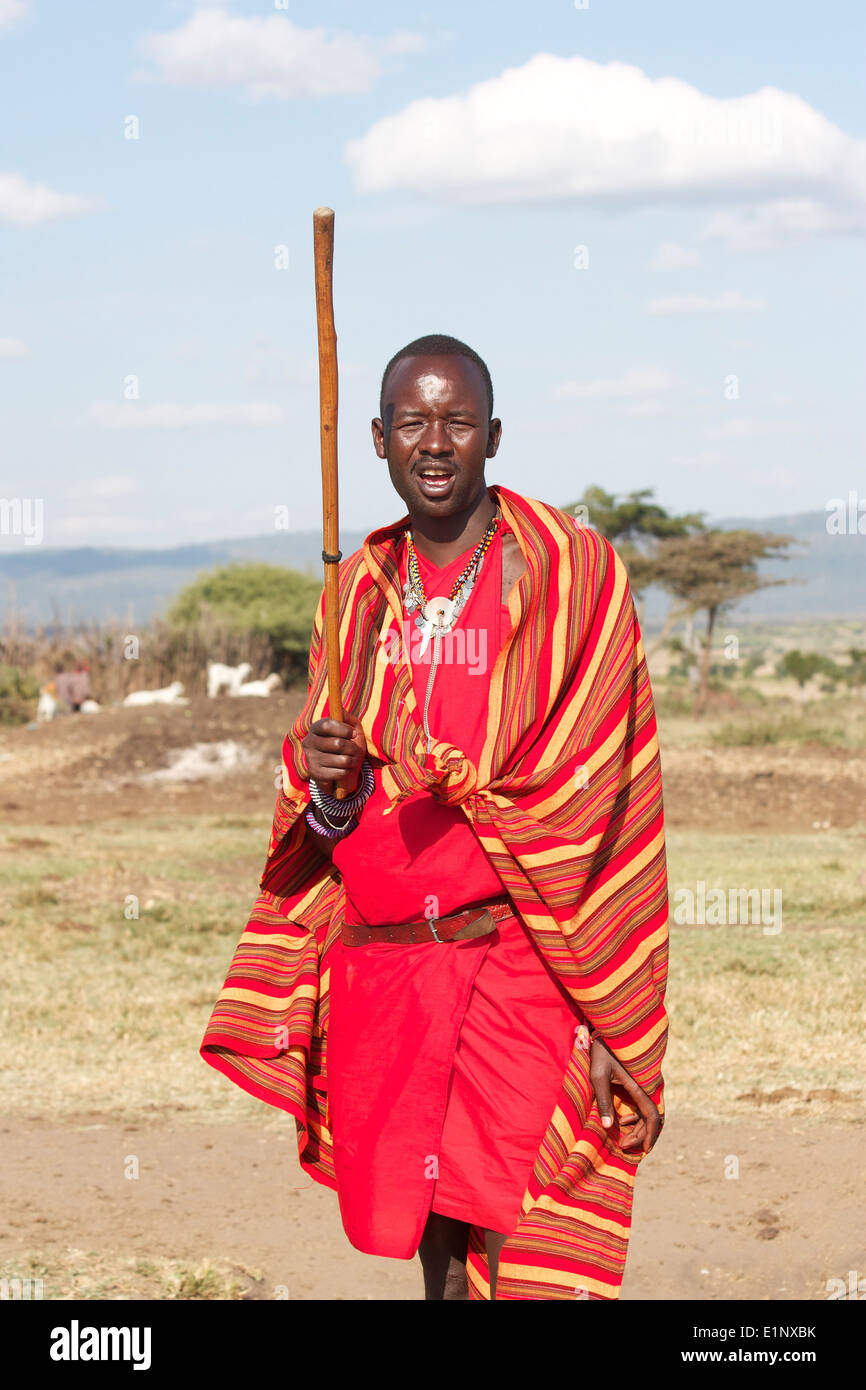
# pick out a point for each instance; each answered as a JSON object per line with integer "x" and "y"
{"x": 444, "y": 1060}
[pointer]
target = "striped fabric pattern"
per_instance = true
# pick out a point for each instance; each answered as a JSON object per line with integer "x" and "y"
{"x": 567, "y": 802}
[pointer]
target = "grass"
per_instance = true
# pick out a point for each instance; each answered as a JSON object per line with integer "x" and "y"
{"x": 756, "y": 1011}
{"x": 105, "y": 1015}
{"x": 763, "y": 717}
{"x": 92, "y": 1274}
{"x": 761, "y": 1014}
{"x": 835, "y": 723}
{"x": 817, "y": 875}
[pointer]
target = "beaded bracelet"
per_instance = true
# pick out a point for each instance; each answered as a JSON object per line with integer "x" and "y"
{"x": 330, "y": 806}
{"x": 332, "y": 833}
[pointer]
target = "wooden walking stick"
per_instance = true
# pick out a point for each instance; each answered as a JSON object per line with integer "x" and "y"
{"x": 323, "y": 253}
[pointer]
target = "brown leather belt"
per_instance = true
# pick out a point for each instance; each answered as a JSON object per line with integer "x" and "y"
{"x": 463, "y": 926}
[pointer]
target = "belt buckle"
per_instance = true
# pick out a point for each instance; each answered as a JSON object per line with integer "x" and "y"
{"x": 436, "y": 936}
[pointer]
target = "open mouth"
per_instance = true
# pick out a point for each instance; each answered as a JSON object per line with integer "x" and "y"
{"x": 435, "y": 481}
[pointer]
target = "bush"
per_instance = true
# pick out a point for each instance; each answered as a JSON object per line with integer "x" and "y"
{"x": 830, "y": 723}
{"x": 753, "y": 733}
{"x": 672, "y": 700}
{"x": 263, "y": 601}
{"x": 752, "y": 662}
{"x": 751, "y": 695}
{"x": 804, "y": 665}
{"x": 18, "y": 690}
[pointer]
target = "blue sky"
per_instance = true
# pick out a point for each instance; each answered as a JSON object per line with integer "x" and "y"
{"x": 711, "y": 160}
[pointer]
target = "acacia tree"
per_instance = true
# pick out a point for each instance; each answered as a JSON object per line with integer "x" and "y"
{"x": 710, "y": 572}
{"x": 636, "y": 526}
{"x": 802, "y": 666}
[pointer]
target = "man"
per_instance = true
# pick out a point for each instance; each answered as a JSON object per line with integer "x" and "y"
{"x": 454, "y": 975}
{"x": 73, "y": 687}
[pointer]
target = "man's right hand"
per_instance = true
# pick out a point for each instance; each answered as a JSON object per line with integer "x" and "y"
{"x": 641, "y": 1129}
{"x": 335, "y": 752}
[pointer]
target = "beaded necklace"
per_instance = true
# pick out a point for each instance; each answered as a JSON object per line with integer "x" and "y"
{"x": 438, "y": 615}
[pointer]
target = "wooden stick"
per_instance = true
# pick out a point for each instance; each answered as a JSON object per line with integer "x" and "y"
{"x": 323, "y": 252}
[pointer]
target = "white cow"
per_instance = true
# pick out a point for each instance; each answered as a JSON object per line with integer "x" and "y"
{"x": 259, "y": 687}
{"x": 169, "y": 695}
{"x": 48, "y": 706}
{"x": 229, "y": 678}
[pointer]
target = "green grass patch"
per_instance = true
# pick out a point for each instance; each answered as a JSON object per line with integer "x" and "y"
{"x": 104, "y": 1013}
{"x": 818, "y": 876}
{"x": 760, "y": 719}
{"x": 72, "y": 1274}
{"x": 754, "y": 1015}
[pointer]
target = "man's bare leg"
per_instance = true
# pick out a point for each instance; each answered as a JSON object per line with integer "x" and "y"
{"x": 493, "y": 1243}
{"x": 443, "y": 1249}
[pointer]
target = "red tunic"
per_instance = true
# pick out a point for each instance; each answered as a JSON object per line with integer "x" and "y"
{"x": 476, "y": 1035}
{"x": 392, "y": 865}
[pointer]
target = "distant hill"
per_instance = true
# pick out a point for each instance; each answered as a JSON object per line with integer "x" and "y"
{"x": 101, "y": 583}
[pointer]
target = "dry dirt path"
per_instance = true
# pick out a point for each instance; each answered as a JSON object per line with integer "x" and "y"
{"x": 233, "y": 1194}
{"x": 87, "y": 768}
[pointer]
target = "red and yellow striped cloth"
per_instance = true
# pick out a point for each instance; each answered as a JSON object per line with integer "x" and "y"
{"x": 566, "y": 800}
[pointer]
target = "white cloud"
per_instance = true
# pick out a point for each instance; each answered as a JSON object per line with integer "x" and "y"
{"x": 24, "y": 204}
{"x": 640, "y": 381}
{"x": 11, "y": 349}
{"x": 706, "y": 459}
{"x": 572, "y": 129}
{"x": 270, "y": 57}
{"x": 116, "y": 485}
{"x": 271, "y": 366}
{"x": 779, "y": 478}
{"x": 11, "y": 11}
{"x": 404, "y": 41}
{"x": 650, "y": 407}
{"x": 729, "y": 302}
{"x": 117, "y": 530}
{"x": 671, "y": 256}
{"x": 133, "y": 416}
{"x": 748, "y": 429}
{"x": 769, "y": 225}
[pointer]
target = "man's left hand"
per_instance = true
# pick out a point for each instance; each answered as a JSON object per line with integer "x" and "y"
{"x": 642, "y": 1129}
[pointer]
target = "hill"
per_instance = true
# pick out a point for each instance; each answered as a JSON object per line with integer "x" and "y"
{"x": 44, "y": 586}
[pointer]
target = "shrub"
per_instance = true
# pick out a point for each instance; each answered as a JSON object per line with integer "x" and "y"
{"x": 264, "y": 601}
{"x": 18, "y": 690}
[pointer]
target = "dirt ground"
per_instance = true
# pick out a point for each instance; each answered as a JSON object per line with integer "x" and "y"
{"x": 90, "y": 766}
{"x": 697, "y": 1232}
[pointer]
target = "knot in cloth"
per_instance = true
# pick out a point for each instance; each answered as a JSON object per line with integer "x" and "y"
{"x": 447, "y": 773}
{"x": 450, "y": 774}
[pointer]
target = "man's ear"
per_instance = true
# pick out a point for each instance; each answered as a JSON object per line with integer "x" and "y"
{"x": 494, "y": 434}
{"x": 382, "y": 430}
{"x": 378, "y": 430}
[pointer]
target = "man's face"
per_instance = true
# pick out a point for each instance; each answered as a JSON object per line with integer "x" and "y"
{"x": 435, "y": 434}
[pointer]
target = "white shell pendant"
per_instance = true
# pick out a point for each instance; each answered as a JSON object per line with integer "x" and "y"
{"x": 438, "y": 617}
